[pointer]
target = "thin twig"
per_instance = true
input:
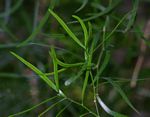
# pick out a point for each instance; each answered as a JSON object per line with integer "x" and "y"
{"x": 140, "y": 59}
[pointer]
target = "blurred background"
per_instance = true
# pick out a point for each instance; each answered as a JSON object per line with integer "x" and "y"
{"x": 21, "y": 88}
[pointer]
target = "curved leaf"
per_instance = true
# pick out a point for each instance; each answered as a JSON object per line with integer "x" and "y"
{"x": 66, "y": 28}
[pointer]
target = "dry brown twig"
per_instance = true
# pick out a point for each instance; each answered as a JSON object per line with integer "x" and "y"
{"x": 140, "y": 59}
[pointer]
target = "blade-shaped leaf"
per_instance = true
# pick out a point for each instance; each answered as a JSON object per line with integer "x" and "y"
{"x": 13, "y": 9}
{"x": 49, "y": 108}
{"x": 106, "y": 11}
{"x": 74, "y": 78}
{"x": 85, "y": 84}
{"x": 107, "y": 110}
{"x": 37, "y": 30}
{"x": 84, "y": 29}
{"x": 59, "y": 113}
{"x": 53, "y": 3}
{"x": 86, "y": 76}
{"x": 82, "y": 6}
{"x": 53, "y": 55}
{"x": 68, "y": 65}
{"x": 66, "y": 28}
{"x": 36, "y": 70}
{"x": 30, "y": 109}
{"x": 113, "y": 31}
{"x": 52, "y": 73}
{"x": 121, "y": 92}
{"x": 132, "y": 15}
{"x": 103, "y": 66}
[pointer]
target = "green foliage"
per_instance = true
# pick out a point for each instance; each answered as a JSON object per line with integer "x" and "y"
{"x": 79, "y": 70}
{"x": 82, "y": 6}
{"x": 121, "y": 93}
{"x": 66, "y": 28}
{"x": 36, "y": 70}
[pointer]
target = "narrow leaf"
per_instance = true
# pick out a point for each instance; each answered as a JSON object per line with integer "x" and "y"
{"x": 30, "y": 109}
{"x": 52, "y": 73}
{"x": 68, "y": 65}
{"x": 85, "y": 84}
{"x": 53, "y": 55}
{"x": 36, "y": 70}
{"x": 117, "y": 87}
{"x": 74, "y": 78}
{"x": 86, "y": 76}
{"x": 53, "y": 3}
{"x": 106, "y": 11}
{"x": 49, "y": 108}
{"x": 13, "y": 9}
{"x": 82, "y": 6}
{"x": 85, "y": 114}
{"x": 37, "y": 30}
{"x": 84, "y": 29}
{"x": 107, "y": 110}
{"x": 113, "y": 31}
{"x": 132, "y": 15}
{"x": 63, "y": 109}
{"x": 66, "y": 28}
{"x": 103, "y": 66}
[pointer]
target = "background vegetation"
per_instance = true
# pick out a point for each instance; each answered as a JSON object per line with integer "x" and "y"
{"x": 98, "y": 59}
